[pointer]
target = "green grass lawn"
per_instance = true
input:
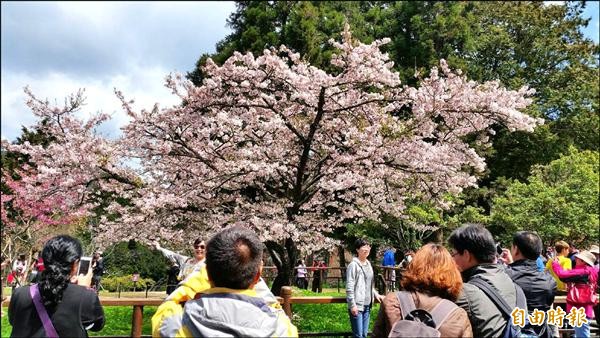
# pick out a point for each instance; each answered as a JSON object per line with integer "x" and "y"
{"x": 324, "y": 317}
{"x": 307, "y": 317}
{"x": 118, "y": 321}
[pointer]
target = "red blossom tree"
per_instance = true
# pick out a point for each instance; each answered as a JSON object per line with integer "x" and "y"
{"x": 25, "y": 214}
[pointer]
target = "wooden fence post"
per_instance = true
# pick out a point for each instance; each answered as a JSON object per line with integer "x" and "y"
{"x": 137, "y": 320}
{"x": 286, "y": 294}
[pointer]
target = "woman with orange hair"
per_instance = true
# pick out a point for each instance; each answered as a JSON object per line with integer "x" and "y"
{"x": 431, "y": 277}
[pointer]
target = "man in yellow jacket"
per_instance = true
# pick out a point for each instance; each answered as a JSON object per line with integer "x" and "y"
{"x": 226, "y": 297}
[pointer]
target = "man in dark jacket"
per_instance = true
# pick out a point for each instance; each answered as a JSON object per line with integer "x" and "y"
{"x": 172, "y": 274}
{"x": 539, "y": 287}
{"x": 474, "y": 252}
{"x": 98, "y": 270}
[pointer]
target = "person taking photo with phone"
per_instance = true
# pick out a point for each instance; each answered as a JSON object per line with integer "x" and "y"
{"x": 62, "y": 303}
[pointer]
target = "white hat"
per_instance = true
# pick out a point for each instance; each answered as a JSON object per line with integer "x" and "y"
{"x": 594, "y": 249}
{"x": 587, "y": 257}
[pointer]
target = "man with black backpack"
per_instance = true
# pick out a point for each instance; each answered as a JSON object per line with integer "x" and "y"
{"x": 489, "y": 295}
{"x": 539, "y": 287}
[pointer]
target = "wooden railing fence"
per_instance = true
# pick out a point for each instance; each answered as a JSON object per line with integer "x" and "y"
{"x": 286, "y": 300}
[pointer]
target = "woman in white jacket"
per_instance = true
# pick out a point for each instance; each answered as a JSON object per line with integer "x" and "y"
{"x": 360, "y": 289}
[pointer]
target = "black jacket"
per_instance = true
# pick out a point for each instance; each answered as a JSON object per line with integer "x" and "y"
{"x": 78, "y": 301}
{"x": 539, "y": 287}
{"x": 99, "y": 268}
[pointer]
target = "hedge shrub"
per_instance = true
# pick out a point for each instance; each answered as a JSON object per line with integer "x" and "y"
{"x": 112, "y": 283}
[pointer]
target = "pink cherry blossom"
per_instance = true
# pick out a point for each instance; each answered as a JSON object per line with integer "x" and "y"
{"x": 275, "y": 144}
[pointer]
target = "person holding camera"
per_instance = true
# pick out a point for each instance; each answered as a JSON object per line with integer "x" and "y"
{"x": 539, "y": 287}
{"x": 62, "y": 303}
{"x": 581, "y": 282}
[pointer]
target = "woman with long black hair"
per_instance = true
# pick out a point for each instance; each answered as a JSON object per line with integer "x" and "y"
{"x": 65, "y": 301}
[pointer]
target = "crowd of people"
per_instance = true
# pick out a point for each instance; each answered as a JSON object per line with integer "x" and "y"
{"x": 471, "y": 289}
{"x": 317, "y": 271}
{"x": 478, "y": 290}
{"x": 25, "y": 272}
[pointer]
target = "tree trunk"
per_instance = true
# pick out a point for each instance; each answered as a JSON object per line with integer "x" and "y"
{"x": 284, "y": 258}
{"x": 342, "y": 258}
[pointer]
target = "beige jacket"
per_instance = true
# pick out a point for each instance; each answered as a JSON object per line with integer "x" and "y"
{"x": 456, "y": 325}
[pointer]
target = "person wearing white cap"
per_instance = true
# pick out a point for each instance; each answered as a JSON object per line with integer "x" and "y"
{"x": 583, "y": 274}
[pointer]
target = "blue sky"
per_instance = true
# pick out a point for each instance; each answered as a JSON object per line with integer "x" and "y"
{"x": 58, "y": 47}
{"x": 592, "y": 11}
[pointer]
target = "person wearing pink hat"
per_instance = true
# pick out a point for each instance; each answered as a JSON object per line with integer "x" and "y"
{"x": 583, "y": 273}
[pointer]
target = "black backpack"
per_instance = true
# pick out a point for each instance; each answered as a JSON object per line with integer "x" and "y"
{"x": 511, "y": 330}
{"x": 418, "y": 322}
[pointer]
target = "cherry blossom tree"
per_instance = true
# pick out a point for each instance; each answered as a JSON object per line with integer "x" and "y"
{"x": 287, "y": 149}
{"x": 291, "y": 151}
{"x": 57, "y": 184}
{"x": 25, "y": 215}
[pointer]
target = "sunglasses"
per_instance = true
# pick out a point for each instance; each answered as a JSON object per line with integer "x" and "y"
{"x": 201, "y": 246}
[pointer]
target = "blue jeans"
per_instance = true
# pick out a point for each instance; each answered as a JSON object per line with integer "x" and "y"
{"x": 360, "y": 323}
{"x": 583, "y": 331}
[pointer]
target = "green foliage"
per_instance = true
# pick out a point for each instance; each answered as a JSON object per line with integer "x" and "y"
{"x": 559, "y": 201}
{"x": 12, "y": 161}
{"x": 113, "y": 284}
{"x": 543, "y": 47}
{"x": 409, "y": 233}
{"x": 119, "y": 260}
{"x": 469, "y": 214}
{"x": 304, "y": 26}
{"x": 423, "y": 32}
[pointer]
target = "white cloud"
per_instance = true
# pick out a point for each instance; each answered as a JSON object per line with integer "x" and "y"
{"x": 145, "y": 86}
{"x": 58, "y": 47}
{"x": 92, "y": 12}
